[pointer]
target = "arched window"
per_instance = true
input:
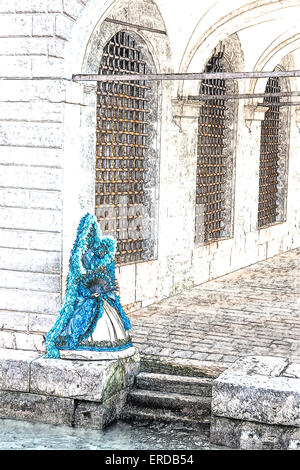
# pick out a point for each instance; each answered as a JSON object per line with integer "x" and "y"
{"x": 268, "y": 197}
{"x": 214, "y": 157}
{"x": 123, "y": 203}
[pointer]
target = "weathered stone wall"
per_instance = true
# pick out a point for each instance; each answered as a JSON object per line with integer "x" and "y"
{"x": 47, "y": 141}
{"x": 256, "y": 404}
{"x": 31, "y": 157}
{"x": 77, "y": 393}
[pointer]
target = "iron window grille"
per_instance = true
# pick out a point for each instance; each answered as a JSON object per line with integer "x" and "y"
{"x": 211, "y": 161}
{"x": 121, "y": 149}
{"x": 269, "y": 158}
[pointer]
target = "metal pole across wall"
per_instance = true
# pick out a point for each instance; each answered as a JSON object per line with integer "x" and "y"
{"x": 184, "y": 76}
{"x": 281, "y": 103}
{"x": 243, "y": 96}
{"x": 134, "y": 25}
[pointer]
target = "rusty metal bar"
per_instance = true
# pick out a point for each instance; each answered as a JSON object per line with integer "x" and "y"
{"x": 185, "y": 76}
{"x": 243, "y": 96}
{"x": 133, "y": 25}
{"x": 281, "y": 103}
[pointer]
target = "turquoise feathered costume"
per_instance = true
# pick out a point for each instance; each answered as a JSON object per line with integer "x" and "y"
{"x": 90, "y": 295}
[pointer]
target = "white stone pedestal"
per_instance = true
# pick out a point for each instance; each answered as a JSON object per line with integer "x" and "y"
{"x": 256, "y": 404}
{"x": 78, "y": 392}
{"x": 97, "y": 355}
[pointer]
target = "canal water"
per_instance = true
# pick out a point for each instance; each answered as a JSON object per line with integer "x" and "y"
{"x": 22, "y": 435}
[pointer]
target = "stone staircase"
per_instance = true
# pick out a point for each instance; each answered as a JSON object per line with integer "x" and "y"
{"x": 170, "y": 395}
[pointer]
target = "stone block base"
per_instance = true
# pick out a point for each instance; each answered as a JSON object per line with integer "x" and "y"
{"x": 54, "y": 410}
{"x": 256, "y": 404}
{"x": 32, "y": 407}
{"x": 245, "y": 435}
{"x": 94, "y": 415}
{"x": 72, "y": 392}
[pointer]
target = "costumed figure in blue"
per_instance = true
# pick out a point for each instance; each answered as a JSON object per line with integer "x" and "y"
{"x": 92, "y": 318}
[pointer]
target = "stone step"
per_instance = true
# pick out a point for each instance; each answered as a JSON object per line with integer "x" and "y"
{"x": 143, "y": 415}
{"x": 200, "y": 386}
{"x": 181, "y": 367}
{"x": 184, "y": 405}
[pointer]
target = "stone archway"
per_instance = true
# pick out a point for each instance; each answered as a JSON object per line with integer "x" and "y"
{"x": 80, "y": 123}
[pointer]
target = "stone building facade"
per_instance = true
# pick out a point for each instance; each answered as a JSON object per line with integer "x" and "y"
{"x": 48, "y": 141}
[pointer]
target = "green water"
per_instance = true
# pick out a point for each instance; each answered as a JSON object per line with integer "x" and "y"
{"x": 22, "y": 435}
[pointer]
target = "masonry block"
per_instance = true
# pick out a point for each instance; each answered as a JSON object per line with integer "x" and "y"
{"x": 17, "y": 321}
{"x": 33, "y": 407}
{"x": 63, "y": 27}
{"x": 86, "y": 380}
{"x": 39, "y": 134}
{"x": 40, "y": 323}
{"x": 7, "y": 340}
{"x": 28, "y": 342}
{"x": 25, "y": 260}
{"x": 30, "y": 281}
{"x": 257, "y": 390}
{"x": 56, "y": 47}
{"x": 15, "y": 66}
{"x": 32, "y": 111}
{"x": 55, "y": 6}
{"x": 72, "y": 8}
{"x": 32, "y": 301}
{"x": 45, "y": 241}
{"x": 15, "y": 25}
{"x": 29, "y": 219}
{"x": 247, "y": 435}
{"x": 23, "y": 46}
{"x": 31, "y": 6}
{"x": 126, "y": 280}
{"x": 31, "y": 156}
{"x": 31, "y": 178}
{"x": 47, "y": 67}
{"x": 57, "y": 391}
{"x": 26, "y": 239}
{"x": 15, "y": 369}
{"x": 95, "y": 415}
{"x": 146, "y": 280}
{"x": 43, "y": 25}
{"x": 27, "y": 90}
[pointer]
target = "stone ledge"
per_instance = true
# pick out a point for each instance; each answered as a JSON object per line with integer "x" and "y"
{"x": 256, "y": 389}
{"x": 32, "y": 407}
{"x": 54, "y": 410}
{"x": 248, "y": 435}
{"x": 85, "y": 380}
{"x": 15, "y": 369}
{"x": 256, "y": 365}
{"x": 25, "y": 371}
{"x": 256, "y": 402}
{"x": 73, "y": 392}
{"x": 181, "y": 366}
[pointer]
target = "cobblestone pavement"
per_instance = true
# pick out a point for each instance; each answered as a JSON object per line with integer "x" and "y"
{"x": 253, "y": 311}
